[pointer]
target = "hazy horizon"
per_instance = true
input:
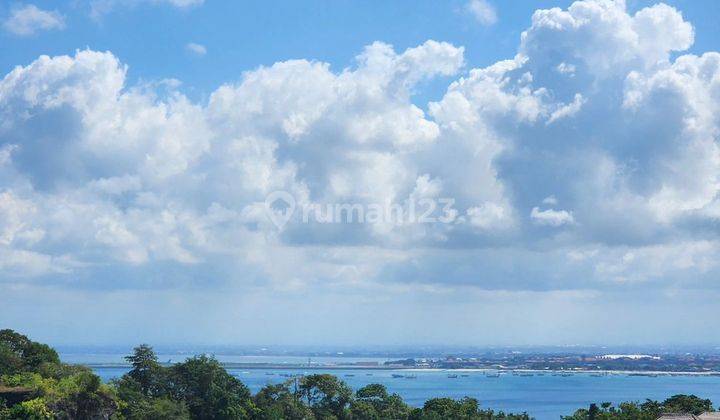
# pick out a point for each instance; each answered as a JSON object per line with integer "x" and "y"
{"x": 385, "y": 350}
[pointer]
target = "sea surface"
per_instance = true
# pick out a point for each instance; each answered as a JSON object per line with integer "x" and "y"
{"x": 542, "y": 395}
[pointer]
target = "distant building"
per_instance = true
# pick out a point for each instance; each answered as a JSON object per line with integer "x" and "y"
{"x": 366, "y": 364}
{"x": 677, "y": 417}
{"x": 715, "y": 415}
{"x": 628, "y": 356}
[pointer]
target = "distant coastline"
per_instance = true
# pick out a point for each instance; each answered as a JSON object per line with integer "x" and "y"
{"x": 607, "y": 362}
{"x": 280, "y": 366}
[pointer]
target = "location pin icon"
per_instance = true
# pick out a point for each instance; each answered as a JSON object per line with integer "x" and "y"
{"x": 279, "y": 207}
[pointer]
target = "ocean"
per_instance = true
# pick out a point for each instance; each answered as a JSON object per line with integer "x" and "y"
{"x": 542, "y": 395}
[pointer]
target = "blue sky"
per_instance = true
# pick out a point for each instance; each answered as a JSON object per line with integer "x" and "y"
{"x": 581, "y": 158}
{"x": 240, "y": 36}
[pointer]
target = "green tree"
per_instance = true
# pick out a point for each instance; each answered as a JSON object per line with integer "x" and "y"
{"x": 137, "y": 405}
{"x": 280, "y": 402}
{"x": 158, "y": 409}
{"x": 686, "y": 404}
{"x": 439, "y": 408}
{"x": 465, "y": 408}
{"x": 364, "y": 410}
{"x": 593, "y": 412}
{"x": 19, "y": 353}
{"x": 35, "y": 409}
{"x": 209, "y": 391}
{"x": 386, "y": 406}
{"x": 82, "y": 396}
{"x": 376, "y": 394}
{"x": 146, "y": 370}
{"x": 326, "y": 395}
{"x": 649, "y": 410}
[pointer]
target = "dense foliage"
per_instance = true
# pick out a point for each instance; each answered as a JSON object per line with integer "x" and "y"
{"x": 34, "y": 384}
{"x": 649, "y": 410}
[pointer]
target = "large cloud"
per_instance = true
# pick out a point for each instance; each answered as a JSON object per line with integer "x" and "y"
{"x": 571, "y": 165}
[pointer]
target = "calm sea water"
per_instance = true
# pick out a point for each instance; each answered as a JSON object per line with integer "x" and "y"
{"x": 544, "y": 397}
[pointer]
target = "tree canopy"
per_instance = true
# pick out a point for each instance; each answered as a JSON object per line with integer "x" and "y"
{"x": 648, "y": 410}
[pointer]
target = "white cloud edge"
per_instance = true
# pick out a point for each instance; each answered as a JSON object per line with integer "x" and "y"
{"x": 28, "y": 20}
{"x": 196, "y": 49}
{"x": 482, "y": 11}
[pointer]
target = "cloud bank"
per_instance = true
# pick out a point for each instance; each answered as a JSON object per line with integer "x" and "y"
{"x": 588, "y": 163}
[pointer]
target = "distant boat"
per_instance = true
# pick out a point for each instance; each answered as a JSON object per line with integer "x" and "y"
{"x": 269, "y": 373}
{"x": 464, "y": 376}
{"x": 368, "y": 374}
{"x": 452, "y": 376}
{"x": 411, "y": 376}
{"x": 350, "y": 375}
{"x": 490, "y": 375}
{"x": 396, "y": 375}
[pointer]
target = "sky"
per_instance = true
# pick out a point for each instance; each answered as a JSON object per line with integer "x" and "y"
{"x": 470, "y": 172}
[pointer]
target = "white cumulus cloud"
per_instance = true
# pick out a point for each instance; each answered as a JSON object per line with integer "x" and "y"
{"x": 197, "y": 49}
{"x": 98, "y": 174}
{"x": 29, "y": 19}
{"x": 482, "y": 11}
{"x": 551, "y": 217}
